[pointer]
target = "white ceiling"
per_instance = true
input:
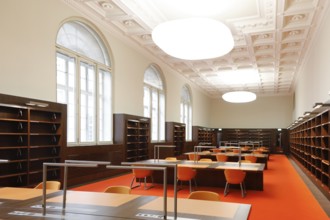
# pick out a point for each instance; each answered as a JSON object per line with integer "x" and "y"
{"x": 271, "y": 36}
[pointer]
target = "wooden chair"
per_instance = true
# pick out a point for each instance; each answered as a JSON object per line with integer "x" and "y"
{"x": 235, "y": 177}
{"x": 54, "y": 185}
{"x": 221, "y": 157}
{"x": 118, "y": 189}
{"x": 142, "y": 174}
{"x": 170, "y": 158}
{"x": 205, "y": 160}
{"x": 192, "y": 156}
{"x": 251, "y": 158}
{"x": 204, "y": 195}
{"x": 186, "y": 174}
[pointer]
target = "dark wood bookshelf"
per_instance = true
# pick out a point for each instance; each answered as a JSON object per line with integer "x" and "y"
{"x": 133, "y": 132}
{"x": 310, "y": 146}
{"x": 204, "y": 136}
{"x": 29, "y": 136}
{"x": 176, "y": 135}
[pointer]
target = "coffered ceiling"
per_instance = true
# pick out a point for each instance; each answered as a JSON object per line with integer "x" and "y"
{"x": 271, "y": 37}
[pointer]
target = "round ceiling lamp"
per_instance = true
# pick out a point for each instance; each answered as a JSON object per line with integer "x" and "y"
{"x": 193, "y": 38}
{"x": 239, "y": 97}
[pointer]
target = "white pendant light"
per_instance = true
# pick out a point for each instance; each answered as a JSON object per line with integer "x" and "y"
{"x": 239, "y": 97}
{"x": 193, "y": 38}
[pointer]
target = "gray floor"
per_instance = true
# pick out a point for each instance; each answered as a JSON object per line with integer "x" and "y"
{"x": 324, "y": 202}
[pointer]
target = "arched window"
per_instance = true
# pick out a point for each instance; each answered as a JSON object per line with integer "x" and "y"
{"x": 186, "y": 111}
{"x": 84, "y": 83}
{"x": 154, "y": 102}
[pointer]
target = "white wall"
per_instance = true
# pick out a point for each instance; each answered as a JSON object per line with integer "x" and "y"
{"x": 265, "y": 112}
{"x": 314, "y": 80}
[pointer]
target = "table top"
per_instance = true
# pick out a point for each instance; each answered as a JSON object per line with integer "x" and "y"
{"x": 25, "y": 203}
{"x": 230, "y": 154}
{"x": 203, "y": 164}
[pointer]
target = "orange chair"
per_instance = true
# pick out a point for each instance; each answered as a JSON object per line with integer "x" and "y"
{"x": 216, "y": 150}
{"x": 186, "y": 174}
{"x": 235, "y": 150}
{"x": 257, "y": 152}
{"x": 118, "y": 189}
{"x": 192, "y": 156}
{"x": 142, "y": 174}
{"x": 204, "y": 195}
{"x": 221, "y": 157}
{"x": 54, "y": 185}
{"x": 251, "y": 158}
{"x": 235, "y": 177}
{"x": 246, "y": 161}
{"x": 170, "y": 158}
{"x": 205, "y": 160}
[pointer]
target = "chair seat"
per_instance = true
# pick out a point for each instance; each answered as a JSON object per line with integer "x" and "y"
{"x": 204, "y": 195}
{"x": 118, "y": 189}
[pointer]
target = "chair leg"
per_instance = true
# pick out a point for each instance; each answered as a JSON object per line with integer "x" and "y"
{"x": 195, "y": 183}
{"x": 190, "y": 188}
{"x": 242, "y": 189}
{"x": 145, "y": 183}
{"x": 226, "y": 189}
{"x": 132, "y": 187}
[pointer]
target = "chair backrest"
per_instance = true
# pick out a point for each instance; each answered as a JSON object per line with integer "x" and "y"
{"x": 142, "y": 173}
{"x": 246, "y": 161}
{"x": 221, "y": 157}
{"x": 204, "y": 195}
{"x": 217, "y": 150}
{"x": 118, "y": 189}
{"x": 235, "y": 150}
{"x": 206, "y": 151}
{"x": 186, "y": 173}
{"x": 251, "y": 158}
{"x": 205, "y": 160}
{"x": 170, "y": 158}
{"x": 54, "y": 185}
{"x": 192, "y": 156}
{"x": 234, "y": 176}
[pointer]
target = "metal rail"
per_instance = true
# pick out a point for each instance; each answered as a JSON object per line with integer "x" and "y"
{"x": 66, "y": 165}
{"x": 175, "y": 166}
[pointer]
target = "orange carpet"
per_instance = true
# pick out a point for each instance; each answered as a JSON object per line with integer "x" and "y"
{"x": 285, "y": 195}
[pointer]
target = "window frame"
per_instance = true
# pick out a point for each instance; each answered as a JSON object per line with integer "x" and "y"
{"x": 186, "y": 104}
{"x": 98, "y": 69}
{"x": 161, "y": 99}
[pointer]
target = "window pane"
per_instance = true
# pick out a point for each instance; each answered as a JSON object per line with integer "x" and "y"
{"x": 66, "y": 92}
{"x": 87, "y": 103}
{"x": 105, "y": 112}
{"x": 161, "y": 117}
{"x": 146, "y": 102}
{"x": 152, "y": 78}
{"x": 154, "y": 115}
{"x": 82, "y": 39}
{"x": 185, "y": 111}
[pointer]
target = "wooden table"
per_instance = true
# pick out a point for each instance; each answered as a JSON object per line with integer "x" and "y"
{"x": 25, "y": 203}
{"x": 210, "y": 173}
